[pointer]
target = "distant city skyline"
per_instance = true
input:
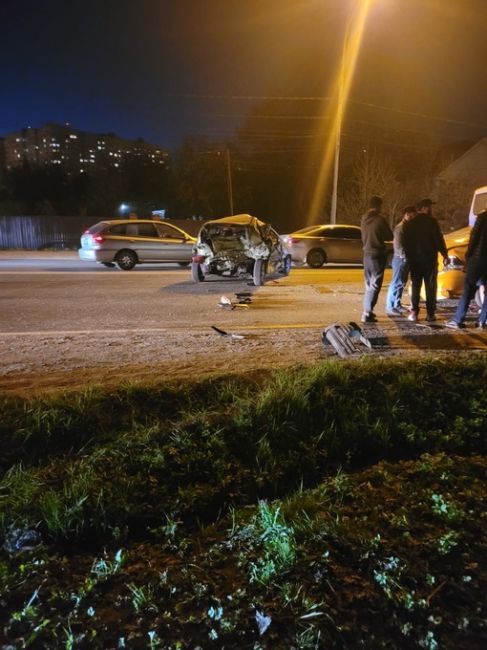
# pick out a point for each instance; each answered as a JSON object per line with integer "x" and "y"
{"x": 75, "y": 150}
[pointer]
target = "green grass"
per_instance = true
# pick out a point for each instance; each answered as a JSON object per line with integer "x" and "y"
{"x": 101, "y": 464}
{"x": 365, "y": 559}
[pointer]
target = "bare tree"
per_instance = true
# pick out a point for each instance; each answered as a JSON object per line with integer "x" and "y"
{"x": 453, "y": 203}
{"x": 373, "y": 175}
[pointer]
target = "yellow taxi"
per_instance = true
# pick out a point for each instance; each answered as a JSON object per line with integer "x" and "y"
{"x": 451, "y": 277}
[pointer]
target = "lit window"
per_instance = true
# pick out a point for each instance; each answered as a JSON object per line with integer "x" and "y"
{"x": 115, "y": 165}
{"x": 73, "y": 137}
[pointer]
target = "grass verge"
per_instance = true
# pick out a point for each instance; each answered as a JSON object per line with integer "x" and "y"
{"x": 336, "y": 506}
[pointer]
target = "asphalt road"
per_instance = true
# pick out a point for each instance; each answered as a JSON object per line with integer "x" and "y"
{"x": 55, "y": 292}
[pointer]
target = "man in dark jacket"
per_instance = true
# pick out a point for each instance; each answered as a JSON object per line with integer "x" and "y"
{"x": 375, "y": 233}
{"x": 476, "y": 273}
{"x": 422, "y": 243}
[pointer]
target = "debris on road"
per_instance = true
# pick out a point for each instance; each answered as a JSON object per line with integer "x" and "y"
{"x": 243, "y": 302}
{"x": 346, "y": 339}
{"x": 230, "y": 335}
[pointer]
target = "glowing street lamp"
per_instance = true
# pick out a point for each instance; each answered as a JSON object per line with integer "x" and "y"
{"x": 351, "y": 47}
{"x": 331, "y": 156}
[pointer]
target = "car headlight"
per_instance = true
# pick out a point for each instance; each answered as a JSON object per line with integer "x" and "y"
{"x": 454, "y": 264}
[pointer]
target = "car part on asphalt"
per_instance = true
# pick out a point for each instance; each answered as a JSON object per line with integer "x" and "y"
{"x": 345, "y": 338}
{"x": 223, "y": 333}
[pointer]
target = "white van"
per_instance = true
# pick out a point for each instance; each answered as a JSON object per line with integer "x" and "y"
{"x": 479, "y": 204}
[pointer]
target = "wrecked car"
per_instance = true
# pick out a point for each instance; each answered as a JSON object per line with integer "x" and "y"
{"x": 241, "y": 246}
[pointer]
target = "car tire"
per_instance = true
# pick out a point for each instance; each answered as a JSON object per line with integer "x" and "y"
{"x": 259, "y": 272}
{"x": 315, "y": 258}
{"x": 109, "y": 265}
{"x": 479, "y": 296}
{"x": 126, "y": 260}
{"x": 286, "y": 265}
{"x": 197, "y": 272}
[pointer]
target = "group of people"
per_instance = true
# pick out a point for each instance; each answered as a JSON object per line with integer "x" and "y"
{"x": 417, "y": 241}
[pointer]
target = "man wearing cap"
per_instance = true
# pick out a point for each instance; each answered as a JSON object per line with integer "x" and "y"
{"x": 375, "y": 233}
{"x": 400, "y": 269}
{"x": 422, "y": 243}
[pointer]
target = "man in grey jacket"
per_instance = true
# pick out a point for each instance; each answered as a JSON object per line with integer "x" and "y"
{"x": 375, "y": 233}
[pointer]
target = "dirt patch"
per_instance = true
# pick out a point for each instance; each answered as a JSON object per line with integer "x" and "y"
{"x": 37, "y": 362}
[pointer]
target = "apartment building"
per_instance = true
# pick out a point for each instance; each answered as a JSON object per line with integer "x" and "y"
{"x": 74, "y": 150}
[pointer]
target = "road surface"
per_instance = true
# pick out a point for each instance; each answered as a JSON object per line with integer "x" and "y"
{"x": 64, "y": 323}
{"x": 57, "y": 292}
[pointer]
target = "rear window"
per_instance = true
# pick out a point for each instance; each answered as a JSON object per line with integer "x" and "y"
{"x": 98, "y": 227}
{"x": 305, "y": 231}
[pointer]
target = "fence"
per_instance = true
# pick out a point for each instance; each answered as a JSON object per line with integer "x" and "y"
{"x": 38, "y": 232}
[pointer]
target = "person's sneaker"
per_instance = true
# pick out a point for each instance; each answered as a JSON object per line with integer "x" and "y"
{"x": 368, "y": 318}
{"x": 453, "y": 325}
{"x": 393, "y": 312}
{"x": 431, "y": 318}
{"x": 413, "y": 316}
{"x": 481, "y": 326}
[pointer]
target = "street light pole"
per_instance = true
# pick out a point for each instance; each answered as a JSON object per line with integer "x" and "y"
{"x": 339, "y": 121}
{"x": 229, "y": 180}
{"x": 352, "y": 39}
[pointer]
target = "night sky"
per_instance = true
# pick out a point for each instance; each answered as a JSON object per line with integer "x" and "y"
{"x": 165, "y": 69}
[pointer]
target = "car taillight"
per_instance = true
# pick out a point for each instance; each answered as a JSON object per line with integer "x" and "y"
{"x": 98, "y": 239}
{"x": 292, "y": 240}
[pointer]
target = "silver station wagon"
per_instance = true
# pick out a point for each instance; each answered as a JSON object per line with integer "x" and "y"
{"x": 125, "y": 243}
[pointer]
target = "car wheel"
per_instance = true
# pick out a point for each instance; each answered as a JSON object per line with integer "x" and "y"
{"x": 197, "y": 272}
{"x": 126, "y": 260}
{"x": 479, "y": 296}
{"x": 316, "y": 258}
{"x": 286, "y": 265}
{"x": 109, "y": 265}
{"x": 259, "y": 272}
